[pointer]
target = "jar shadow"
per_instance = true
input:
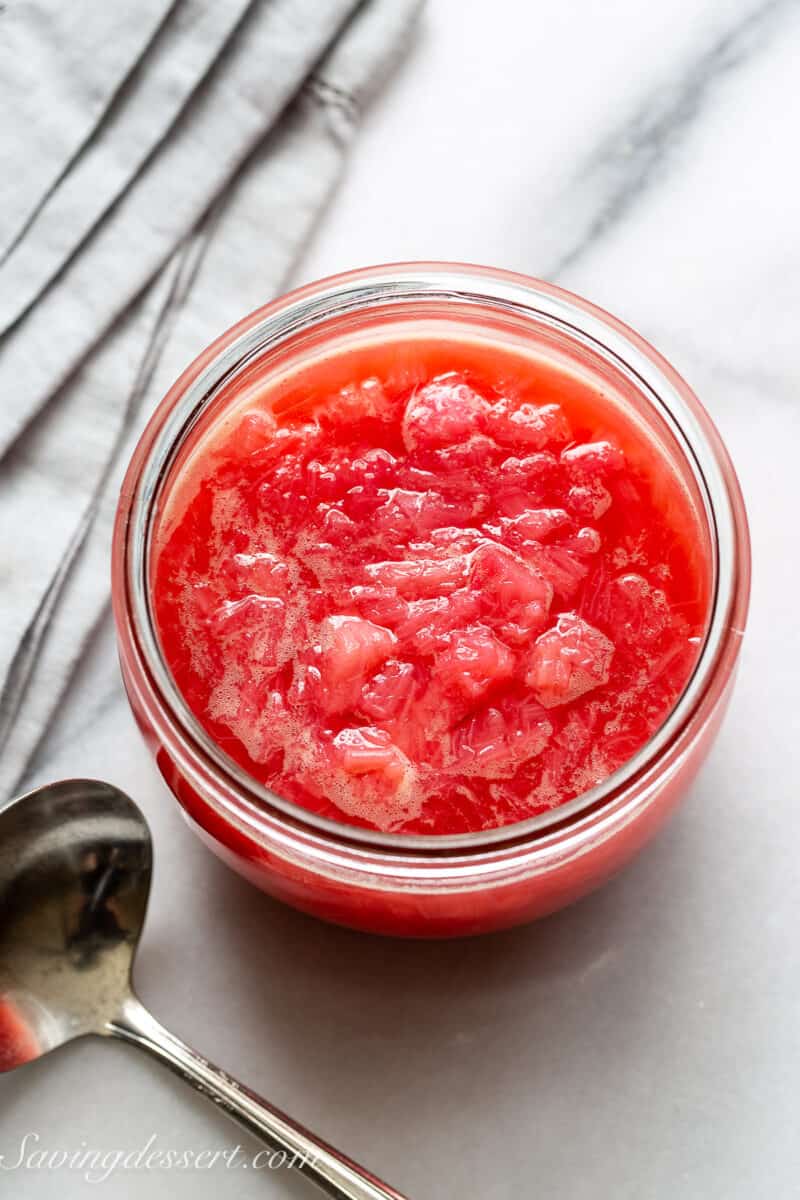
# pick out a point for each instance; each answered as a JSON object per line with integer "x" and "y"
{"x": 359, "y": 1035}
{"x": 396, "y": 1050}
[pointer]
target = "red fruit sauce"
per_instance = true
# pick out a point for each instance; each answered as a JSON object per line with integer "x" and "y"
{"x": 17, "y": 1042}
{"x": 432, "y": 589}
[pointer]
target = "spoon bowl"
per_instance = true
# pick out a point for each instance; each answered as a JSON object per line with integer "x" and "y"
{"x": 75, "y": 866}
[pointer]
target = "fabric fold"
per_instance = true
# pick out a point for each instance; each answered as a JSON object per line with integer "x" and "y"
{"x": 140, "y": 117}
{"x": 234, "y": 107}
{"x": 60, "y": 67}
{"x": 236, "y": 258}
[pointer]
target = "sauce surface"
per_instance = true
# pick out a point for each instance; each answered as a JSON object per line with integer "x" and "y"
{"x": 432, "y": 600}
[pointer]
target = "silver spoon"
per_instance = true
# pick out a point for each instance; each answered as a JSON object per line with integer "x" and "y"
{"x": 75, "y": 866}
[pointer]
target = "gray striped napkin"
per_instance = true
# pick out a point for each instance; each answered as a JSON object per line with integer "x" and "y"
{"x": 159, "y": 174}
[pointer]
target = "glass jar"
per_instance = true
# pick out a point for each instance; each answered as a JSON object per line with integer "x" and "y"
{"x": 395, "y": 883}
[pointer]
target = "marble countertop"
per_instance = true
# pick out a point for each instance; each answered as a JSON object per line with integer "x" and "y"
{"x": 645, "y": 1042}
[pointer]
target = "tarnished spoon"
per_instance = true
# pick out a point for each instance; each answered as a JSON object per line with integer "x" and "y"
{"x": 75, "y": 866}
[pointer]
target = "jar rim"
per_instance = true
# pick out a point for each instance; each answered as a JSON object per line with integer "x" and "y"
{"x": 581, "y": 322}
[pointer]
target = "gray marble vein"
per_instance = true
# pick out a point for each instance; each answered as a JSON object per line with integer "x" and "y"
{"x": 628, "y": 161}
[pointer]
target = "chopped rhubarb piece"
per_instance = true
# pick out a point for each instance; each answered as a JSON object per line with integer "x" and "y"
{"x": 429, "y": 623}
{"x": 473, "y": 661}
{"x": 254, "y": 431}
{"x": 589, "y": 500}
{"x": 527, "y": 479}
{"x": 368, "y": 749}
{"x": 514, "y": 595}
{"x": 356, "y": 401}
{"x": 586, "y": 542}
{"x": 638, "y": 611}
{"x": 252, "y": 626}
{"x": 389, "y": 693}
{"x": 352, "y": 649}
{"x": 532, "y": 524}
{"x": 443, "y": 412}
{"x": 260, "y": 574}
{"x": 382, "y": 605}
{"x": 528, "y": 425}
{"x": 496, "y": 740}
{"x": 592, "y": 460}
{"x": 567, "y": 661}
{"x": 564, "y": 569}
{"x": 408, "y": 514}
{"x": 420, "y": 577}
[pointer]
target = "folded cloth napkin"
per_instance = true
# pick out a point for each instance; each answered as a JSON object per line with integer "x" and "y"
{"x": 158, "y": 177}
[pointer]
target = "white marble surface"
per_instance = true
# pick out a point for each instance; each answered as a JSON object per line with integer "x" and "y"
{"x": 646, "y": 1042}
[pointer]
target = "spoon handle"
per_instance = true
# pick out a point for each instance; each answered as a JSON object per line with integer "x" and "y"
{"x": 336, "y": 1175}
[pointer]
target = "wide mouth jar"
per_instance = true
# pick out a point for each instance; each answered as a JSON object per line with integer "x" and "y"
{"x": 269, "y": 837}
